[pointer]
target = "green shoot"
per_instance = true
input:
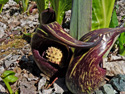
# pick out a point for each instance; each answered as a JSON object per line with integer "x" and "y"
{"x": 25, "y": 5}
{"x": 2, "y": 2}
{"x": 1, "y": 7}
{"x": 60, "y": 6}
{"x": 9, "y": 77}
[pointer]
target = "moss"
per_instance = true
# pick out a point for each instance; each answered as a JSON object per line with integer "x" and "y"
{"x": 11, "y": 45}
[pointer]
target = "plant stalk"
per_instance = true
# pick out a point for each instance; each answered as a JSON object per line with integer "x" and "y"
{"x": 1, "y": 7}
{"x": 8, "y": 86}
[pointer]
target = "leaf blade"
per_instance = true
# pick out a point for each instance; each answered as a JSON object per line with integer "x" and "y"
{"x": 80, "y": 19}
{"x": 101, "y": 13}
{"x": 60, "y": 6}
{"x": 114, "y": 20}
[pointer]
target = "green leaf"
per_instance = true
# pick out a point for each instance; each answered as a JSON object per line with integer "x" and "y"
{"x": 81, "y": 18}
{"x": 27, "y": 34}
{"x": 60, "y": 6}
{"x": 117, "y": 6}
{"x": 40, "y": 5}
{"x": 11, "y": 78}
{"x": 47, "y": 4}
{"x": 101, "y": 13}
{"x": 121, "y": 38}
{"x": 7, "y": 73}
{"x": 1, "y": 7}
{"x": 25, "y": 5}
{"x": 3, "y": 1}
{"x": 114, "y": 20}
{"x": 121, "y": 44}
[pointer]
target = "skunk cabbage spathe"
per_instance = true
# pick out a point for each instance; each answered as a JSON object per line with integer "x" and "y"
{"x": 51, "y": 48}
{"x": 85, "y": 73}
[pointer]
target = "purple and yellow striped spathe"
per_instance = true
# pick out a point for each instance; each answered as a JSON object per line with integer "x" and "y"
{"x": 85, "y": 72}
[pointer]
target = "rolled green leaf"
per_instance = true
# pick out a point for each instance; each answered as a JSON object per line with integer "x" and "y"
{"x": 85, "y": 73}
{"x": 101, "y": 13}
{"x": 81, "y": 18}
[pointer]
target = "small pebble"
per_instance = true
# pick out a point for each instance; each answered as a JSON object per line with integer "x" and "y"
{"x": 24, "y": 58}
{"x": 118, "y": 82}
{"x": 1, "y": 69}
{"x": 41, "y": 83}
{"x": 98, "y": 92}
{"x": 2, "y": 51}
{"x": 123, "y": 92}
{"x": 2, "y": 89}
{"x": 108, "y": 89}
{"x": 8, "y": 63}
